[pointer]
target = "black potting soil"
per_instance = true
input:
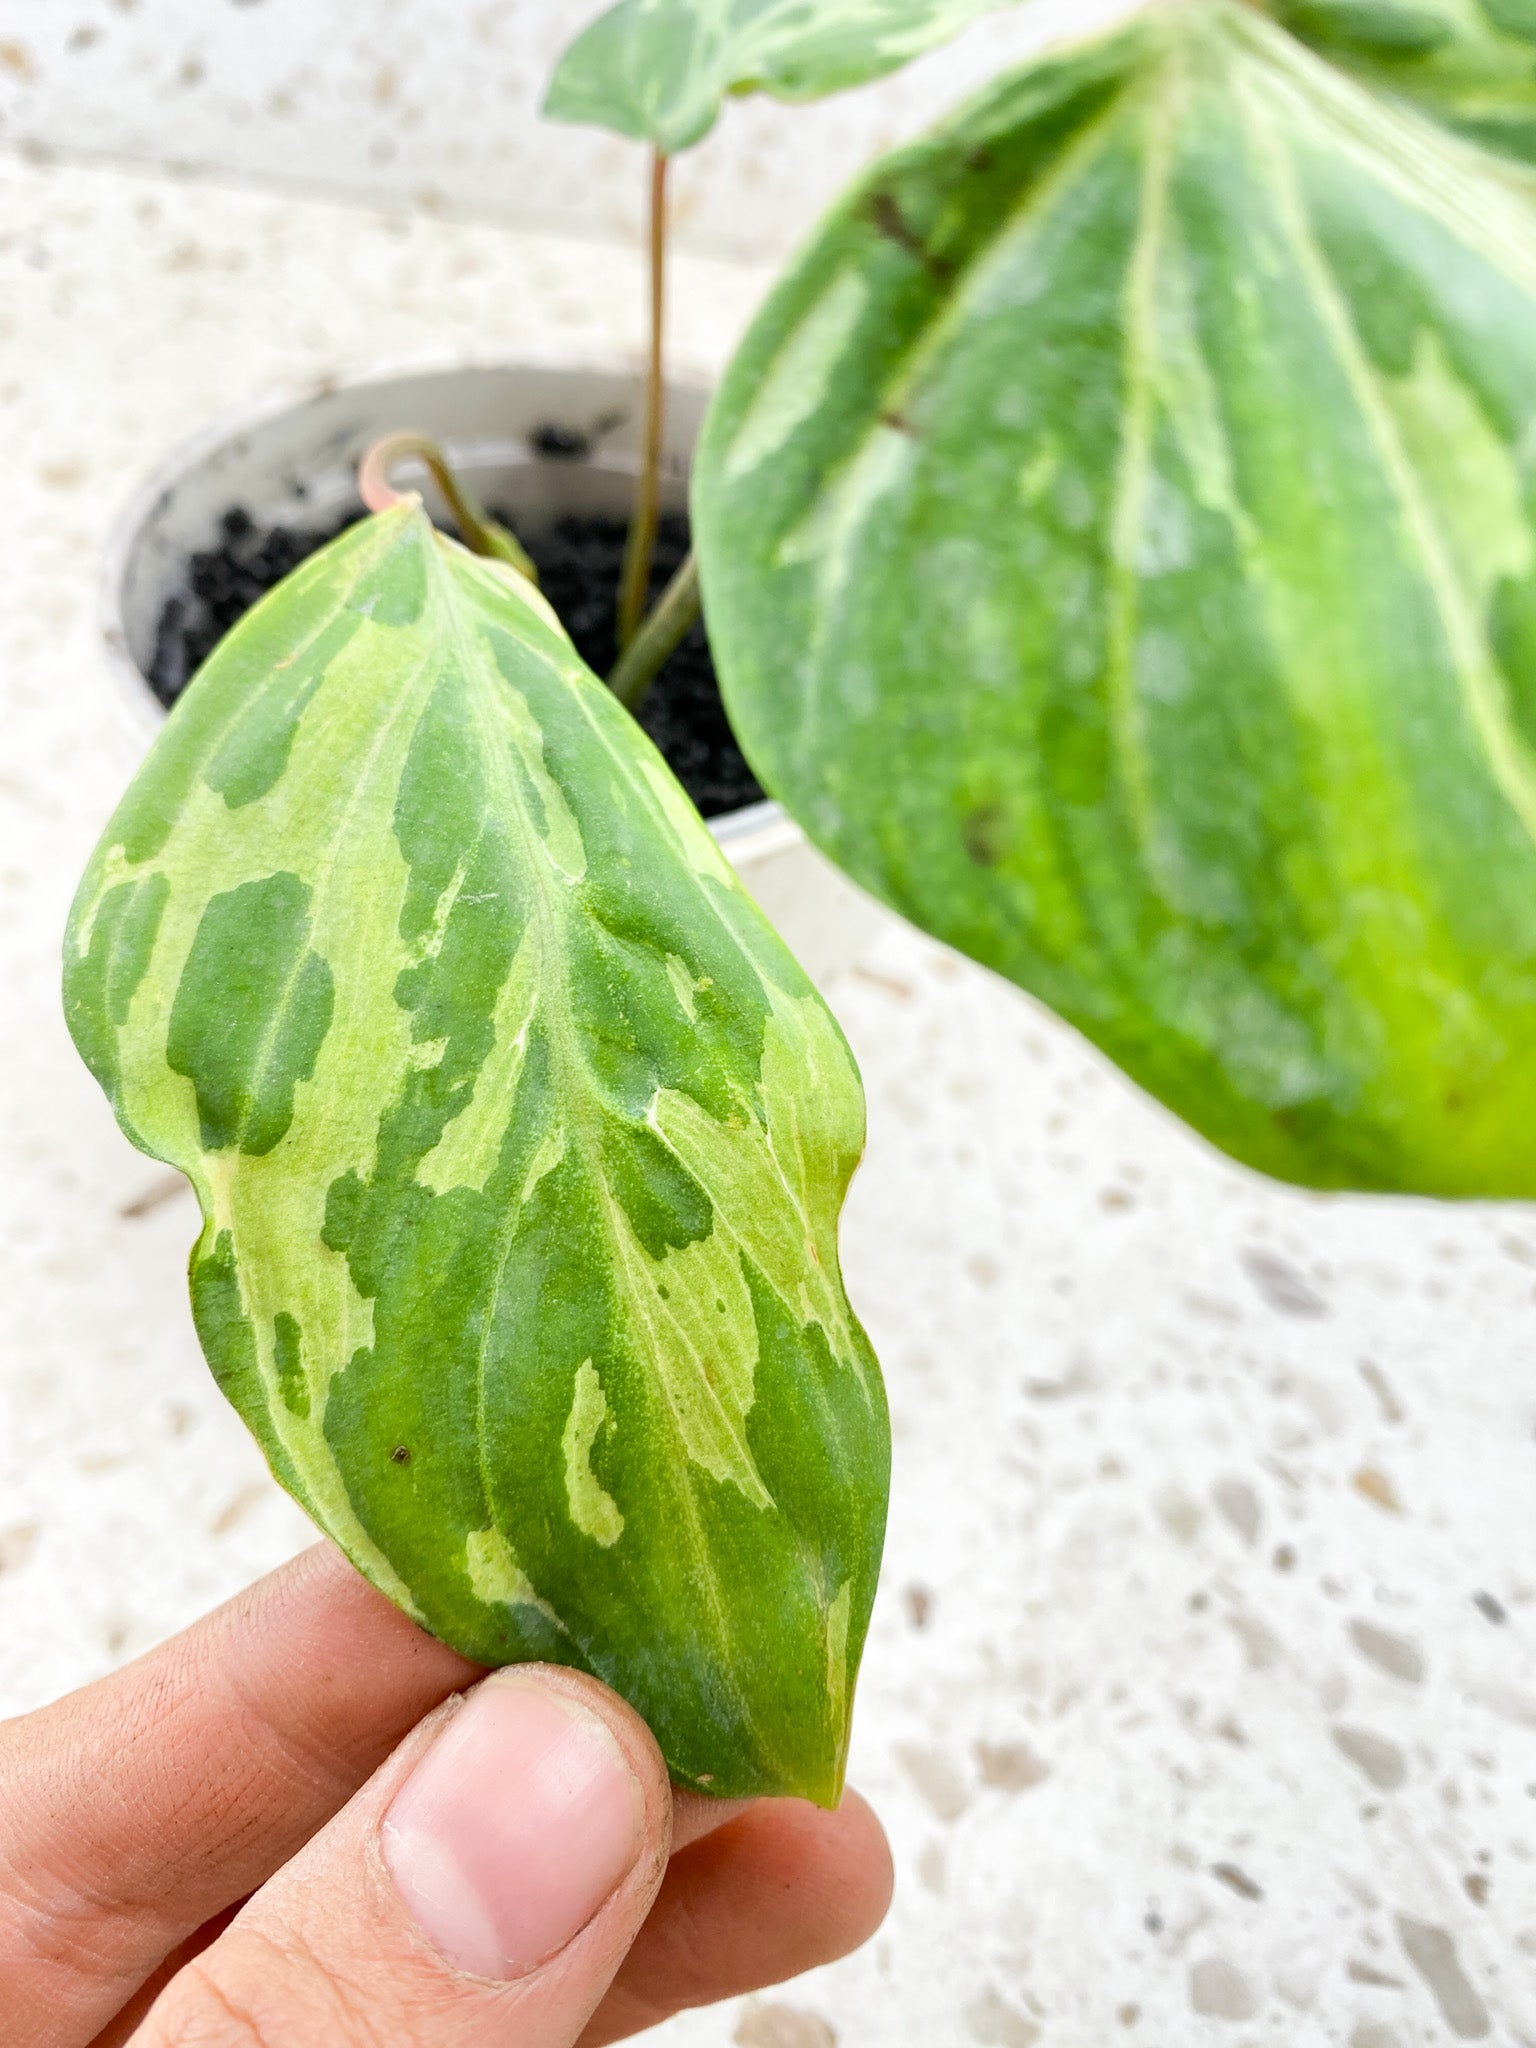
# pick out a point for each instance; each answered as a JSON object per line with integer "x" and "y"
{"x": 578, "y": 561}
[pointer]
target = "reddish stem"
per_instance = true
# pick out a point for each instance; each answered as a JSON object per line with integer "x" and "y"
{"x": 635, "y": 584}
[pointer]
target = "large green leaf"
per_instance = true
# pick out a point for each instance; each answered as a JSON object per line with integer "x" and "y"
{"x": 1470, "y": 63}
{"x": 520, "y": 1141}
{"x": 1117, "y": 542}
{"x": 660, "y": 69}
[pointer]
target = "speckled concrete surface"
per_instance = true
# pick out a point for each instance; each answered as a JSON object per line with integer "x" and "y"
{"x": 433, "y": 104}
{"x": 1201, "y": 1697}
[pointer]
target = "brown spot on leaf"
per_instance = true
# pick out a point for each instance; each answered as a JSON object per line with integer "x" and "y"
{"x": 981, "y": 835}
{"x": 401, "y": 1454}
{"x": 892, "y": 223}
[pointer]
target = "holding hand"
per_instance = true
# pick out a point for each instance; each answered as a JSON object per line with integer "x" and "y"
{"x": 293, "y": 1824}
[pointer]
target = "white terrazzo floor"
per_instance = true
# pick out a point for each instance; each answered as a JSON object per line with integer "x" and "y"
{"x": 1201, "y": 1697}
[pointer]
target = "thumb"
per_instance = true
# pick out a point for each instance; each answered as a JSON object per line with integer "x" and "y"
{"x": 483, "y": 1887}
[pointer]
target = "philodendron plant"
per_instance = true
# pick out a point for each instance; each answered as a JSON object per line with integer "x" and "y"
{"x": 1117, "y": 538}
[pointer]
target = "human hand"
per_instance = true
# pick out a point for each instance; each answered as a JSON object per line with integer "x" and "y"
{"x": 291, "y": 1826}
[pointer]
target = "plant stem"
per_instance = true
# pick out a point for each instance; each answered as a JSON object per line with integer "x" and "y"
{"x": 676, "y": 609}
{"x": 481, "y": 535}
{"x": 641, "y": 543}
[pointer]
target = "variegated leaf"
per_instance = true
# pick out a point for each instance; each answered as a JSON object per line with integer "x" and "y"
{"x": 1118, "y": 541}
{"x": 1470, "y": 63}
{"x": 659, "y": 69}
{"x": 520, "y": 1141}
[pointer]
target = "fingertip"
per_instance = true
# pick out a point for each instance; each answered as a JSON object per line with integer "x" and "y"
{"x": 858, "y": 1853}
{"x": 777, "y": 1890}
{"x": 635, "y": 1740}
{"x": 841, "y": 1862}
{"x": 828, "y": 1873}
{"x": 534, "y": 1804}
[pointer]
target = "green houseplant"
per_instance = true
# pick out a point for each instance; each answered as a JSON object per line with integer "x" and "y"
{"x": 1115, "y": 536}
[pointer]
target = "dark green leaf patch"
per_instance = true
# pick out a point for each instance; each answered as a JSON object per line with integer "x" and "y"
{"x": 251, "y": 1012}
{"x": 100, "y": 986}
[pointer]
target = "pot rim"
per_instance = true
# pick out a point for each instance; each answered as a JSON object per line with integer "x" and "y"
{"x": 753, "y": 831}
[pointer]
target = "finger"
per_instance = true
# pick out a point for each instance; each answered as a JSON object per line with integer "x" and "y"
{"x": 782, "y": 1889}
{"x": 482, "y": 1888}
{"x": 693, "y": 1816}
{"x": 141, "y": 1806}
{"x": 120, "y": 2029}
{"x": 795, "y": 1889}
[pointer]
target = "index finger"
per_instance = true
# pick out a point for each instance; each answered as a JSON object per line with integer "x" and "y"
{"x": 141, "y": 1806}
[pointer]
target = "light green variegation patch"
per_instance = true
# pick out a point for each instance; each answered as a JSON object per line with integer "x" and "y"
{"x": 594, "y": 1511}
{"x": 1135, "y": 584}
{"x": 659, "y": 70}
{"x": 520, "y": 1141}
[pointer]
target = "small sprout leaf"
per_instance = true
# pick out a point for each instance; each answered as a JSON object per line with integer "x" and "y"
{"x": 660, "y": 70}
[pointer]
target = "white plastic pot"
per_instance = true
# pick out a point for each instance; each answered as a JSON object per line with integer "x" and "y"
{"x": 297, "y": 466}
